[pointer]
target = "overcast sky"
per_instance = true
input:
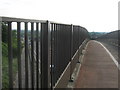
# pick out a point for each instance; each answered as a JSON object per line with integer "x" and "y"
{"x": 95, "y": 15}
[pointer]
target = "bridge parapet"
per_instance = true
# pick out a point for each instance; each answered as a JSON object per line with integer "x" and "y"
{"x": 48, "y": 48}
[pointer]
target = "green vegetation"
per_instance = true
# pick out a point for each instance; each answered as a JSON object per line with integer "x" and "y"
{"x": 95, "y": 35}
{"x": 5, "y": 78}
{"x": 5, "y": 65}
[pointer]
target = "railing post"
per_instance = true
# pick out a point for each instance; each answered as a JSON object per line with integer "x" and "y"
{"x": 78, "y": 44}
{"x": 119, "y": 42}
{"x": 49, "y": 53}
{"x": 26, "y": 56}
{"x": 0, "y": 53}
{"x": 19, "y": 54}
{"x": 45, "y": 54}
{"x": 71, "y": 51}
{"x": 37, "y": 55}
{"x": 10, "y": 55}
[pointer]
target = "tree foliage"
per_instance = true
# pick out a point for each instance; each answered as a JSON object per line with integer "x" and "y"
{"x": 4, "y": 33}
{"x": 5, "y": 39}
{"x": 5, "y": 78}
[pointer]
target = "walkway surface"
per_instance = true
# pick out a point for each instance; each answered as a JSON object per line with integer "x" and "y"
{"x": 98, "y": 69}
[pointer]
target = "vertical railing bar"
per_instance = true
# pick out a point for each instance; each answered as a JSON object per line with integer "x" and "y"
{"x": 19, "y": 54}
{"x": 51, "y": 56}
{"x": 49, "y": 51}
{"x": 41, "y": 51}
{"x": 82, "y": 35}
{"x": 45, "y": 54}
{"x": 63, "y": 31}
{"x": 40, "y": 55}
{"x": 26, "y": 55}
{"x": 78, "y": 37}
{"x": 37, "y": 56}
{"x": 78, "y": 44}
{"x": 55, "y": 45}
{"x": 32, "y": 55}
{"x": 0, "y": 53}
{"x": 57, "y": 37}
{"x": 118, "y": 48}
{"x": 10, "y": 55}
{"x": 71, "y": 50}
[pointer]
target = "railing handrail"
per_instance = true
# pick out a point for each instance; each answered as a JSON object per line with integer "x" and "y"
{"x": 14, "y": 19}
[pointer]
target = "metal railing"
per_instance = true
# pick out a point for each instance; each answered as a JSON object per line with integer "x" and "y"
{"x": 49, "y": 47}
{"x": 0, "y": 55}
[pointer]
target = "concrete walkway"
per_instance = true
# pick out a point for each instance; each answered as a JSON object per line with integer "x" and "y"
{"x": 98, "y": 70}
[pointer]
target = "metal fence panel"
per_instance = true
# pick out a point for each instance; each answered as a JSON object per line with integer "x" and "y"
{"x": 47, "y": 53}
{"x": 0, "y": 53}
{"x": 32, "y": 57}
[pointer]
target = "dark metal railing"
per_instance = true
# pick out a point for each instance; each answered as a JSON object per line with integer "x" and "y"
{"x": 48, "y": 49}
{"x": 0, "y": 55}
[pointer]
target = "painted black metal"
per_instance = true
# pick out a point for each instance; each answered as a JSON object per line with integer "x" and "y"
{"x": 52, "y": 55}
{"x": 32, "y": 56}
{"x": 37, "y": 55}
{"x": 55, "y": 47}
{"x": 19, "y": 54}
{"x": 45, "y": 54}
{"x": 49, "y": 52}
{"x": 10, "y": 55}
{"x": 26, "y": 56}
{"x": 71, "y": 49}
{"x": 61, "y": 42}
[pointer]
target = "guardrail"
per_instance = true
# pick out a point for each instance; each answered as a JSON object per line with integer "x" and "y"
{"x": 56, "y": 46}
{"x": 0, "y": 56}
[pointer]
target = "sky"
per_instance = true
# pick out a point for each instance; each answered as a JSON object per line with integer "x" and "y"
{"x": 94, "y": 15}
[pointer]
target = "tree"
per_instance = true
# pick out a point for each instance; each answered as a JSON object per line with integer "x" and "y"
{"x": 4, "y": 33}
{"x": 5, "y": 38}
